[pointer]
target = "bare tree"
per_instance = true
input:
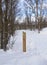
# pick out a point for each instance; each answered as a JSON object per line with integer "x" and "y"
{"x": 28, "y": 8}
{"x": 40, "y": 19}
{"x": 1, "y": 22}
{"x": 12, "y": 14}
{"x": 6, "y": 25}
{"x": 36, "y": 13}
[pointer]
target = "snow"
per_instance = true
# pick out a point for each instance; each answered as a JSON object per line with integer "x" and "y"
{"x": 36, "y": 49}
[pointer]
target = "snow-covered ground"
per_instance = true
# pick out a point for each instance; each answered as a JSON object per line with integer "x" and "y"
{"x": 36, "y": 49}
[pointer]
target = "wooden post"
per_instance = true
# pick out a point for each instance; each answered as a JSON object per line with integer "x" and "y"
{"x": 24, "y": 41}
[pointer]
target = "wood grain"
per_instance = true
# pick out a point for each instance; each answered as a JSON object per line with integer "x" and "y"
{"x": 24, "y": 41}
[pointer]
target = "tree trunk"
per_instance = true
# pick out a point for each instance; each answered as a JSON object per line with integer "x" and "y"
{"x": 1, "y": 22}
{"x": 36, "y": 13}
{"x": 6, "y": 26}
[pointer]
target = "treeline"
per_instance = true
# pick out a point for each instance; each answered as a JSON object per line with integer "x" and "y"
{"x": 29, "y": 24}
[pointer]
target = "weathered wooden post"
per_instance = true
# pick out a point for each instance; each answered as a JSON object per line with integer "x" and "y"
{"x": 24, "y": 41}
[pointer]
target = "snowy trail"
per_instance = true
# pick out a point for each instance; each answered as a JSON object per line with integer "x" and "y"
{"x": 23, "y": 59}
{"x": 36, "y": 49}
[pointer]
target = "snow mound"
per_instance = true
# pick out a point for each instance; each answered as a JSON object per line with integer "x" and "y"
{"x": 44, "y": 31}
{"x": 36, "y": 49}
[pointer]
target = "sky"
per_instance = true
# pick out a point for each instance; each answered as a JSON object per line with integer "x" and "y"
{"x": 21, "y": 7}
{"x": 22, "y": 2}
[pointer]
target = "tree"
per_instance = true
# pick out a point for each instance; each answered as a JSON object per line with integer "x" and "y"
{"x": 1, "y": 22}
{"x": 12, "y": 16}
{"x": 40, "y": 19}
{"x": 6, "y": 25}
{"x": 36, "y": 13}
{"x": 28, "y": 7}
